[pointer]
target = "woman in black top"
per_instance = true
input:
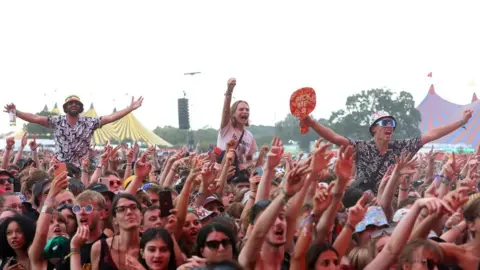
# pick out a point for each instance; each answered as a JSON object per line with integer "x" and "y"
{"x": 16, "y": 236}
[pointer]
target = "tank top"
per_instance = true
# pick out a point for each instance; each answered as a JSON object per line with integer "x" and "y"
{"x": 106, "y": 260}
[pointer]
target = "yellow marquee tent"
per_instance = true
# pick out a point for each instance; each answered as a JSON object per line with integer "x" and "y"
{"x": 55, "y": 109}
{"x": 129, "y": 128}
{"x": 103, "y": 134}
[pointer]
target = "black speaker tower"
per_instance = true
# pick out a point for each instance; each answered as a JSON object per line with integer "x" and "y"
{"x": 183, "y": 114}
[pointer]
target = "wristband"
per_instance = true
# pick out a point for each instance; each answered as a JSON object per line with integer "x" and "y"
{"x": 73, "y": 251}
{"x": 9, "y": 148}
{"x": 337, "y": 195}
{"x": 349, "y": 226}
{"x": 403, "y": 189}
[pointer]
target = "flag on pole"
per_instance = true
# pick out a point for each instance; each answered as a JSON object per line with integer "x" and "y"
{"x": 429, "y": 75}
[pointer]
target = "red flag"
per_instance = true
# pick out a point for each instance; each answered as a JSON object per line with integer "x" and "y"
{"x": 429, "y": 75}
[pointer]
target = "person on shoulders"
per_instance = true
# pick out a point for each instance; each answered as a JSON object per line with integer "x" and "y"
{"x": 373, "y": 157}
{"x": 235, "y": 120}
{"x": 72, "y": 132}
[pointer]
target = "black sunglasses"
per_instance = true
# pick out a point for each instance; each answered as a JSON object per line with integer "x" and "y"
{"x": 64, "y": 206}
{"x": 215, "y": 244}
{"x": 4, "y": 180}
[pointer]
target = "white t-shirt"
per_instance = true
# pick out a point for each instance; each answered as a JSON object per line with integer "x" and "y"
{"x": 247, "y": 146}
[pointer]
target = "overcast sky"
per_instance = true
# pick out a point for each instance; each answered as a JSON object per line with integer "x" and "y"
{"x": 107, "y": 51}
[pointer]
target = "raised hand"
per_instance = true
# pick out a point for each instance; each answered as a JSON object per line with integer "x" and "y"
{"x": 254, "y": 182}
{"x": 320, "y": 157}
{"x": 467, "y": 114}
{"x": 232, "y": 82}
{"x": 142, "y": 167}
{"x": 232, "y": 144}
{"x": 434, "y": 205}
{"x": 135, "y": 104}
{"x": 451, "y": 167}
{"x": 344, "y": 165}
{"x": 33, "y": 143}
{"x": 130, "y": 154}
{"x": 295, "y": 179}
{"x": 24, "y": 140}
{"x": 59, "y": 183}
{"x": 85, "y": 163}
{"x": 10, "y": 142}
{"x": 9, "y": 107}
{"x": 275, "y": 154}
{"x": 456, "y": 198}
{"x": 358, "y": 211}
{"x": 406, "y": 165}
{"x": 323, "y": 198}
{"x": 80, "y": 237}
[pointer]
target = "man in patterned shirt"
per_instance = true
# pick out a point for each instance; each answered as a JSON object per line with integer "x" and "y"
{"x": 71, "y": 132}
{"x": 373, "y": 157}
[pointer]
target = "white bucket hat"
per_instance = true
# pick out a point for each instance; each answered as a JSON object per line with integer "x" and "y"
{"x": 377, "y": 117}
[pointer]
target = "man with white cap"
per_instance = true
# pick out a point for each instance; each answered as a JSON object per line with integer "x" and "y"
{"x": 71, "y": 132}
{"x": 373, "y": 157}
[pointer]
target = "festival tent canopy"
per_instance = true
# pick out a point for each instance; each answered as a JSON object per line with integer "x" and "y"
{"x": 437, "y": 112}
{"x": 55, "y": 109}
{"x": 103, "y": 134}
{"x": 129, "y": 128}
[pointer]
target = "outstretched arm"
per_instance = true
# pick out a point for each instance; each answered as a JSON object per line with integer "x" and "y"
{"x": 226, "y": 103}
{"x": 439, "y": 132}
{"x": 107, "y": 119}
{"x": 326, "y": 133}
{"x": 33, "y": 118}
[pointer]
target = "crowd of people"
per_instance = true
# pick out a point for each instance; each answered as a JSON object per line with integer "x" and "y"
{"x": 376, "y": 204}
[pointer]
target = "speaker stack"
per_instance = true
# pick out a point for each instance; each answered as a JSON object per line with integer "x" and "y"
{"x": 183, "y": 114}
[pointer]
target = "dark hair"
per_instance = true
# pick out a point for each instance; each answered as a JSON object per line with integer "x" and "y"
{"x": 158, "y": 233}
{"x": 205, "y": 232}
{"x": 315, "y": 251}
{"x": 28, "y": 230}
{"x": 110, "y": 172}
{"x": 128, "y": 196}
{"x": 257, "y": 209}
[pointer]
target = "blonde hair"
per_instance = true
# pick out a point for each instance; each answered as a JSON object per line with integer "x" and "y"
{"x": 233, "y": 109}
{"x": 91, "y": 196}
{"x": 359, "y": 257}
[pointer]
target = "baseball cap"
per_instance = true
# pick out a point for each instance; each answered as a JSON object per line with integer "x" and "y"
{"x": 102, "y": 189}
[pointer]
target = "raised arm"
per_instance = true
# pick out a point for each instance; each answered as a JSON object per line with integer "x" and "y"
{"x": 107, "y": 119}
{"x": 8, "y": 152}
{"x": 326, "y": 133}
{"x": 29, "y": 117}
{"x": 226, "y": 103}
{"x": 439, "y": 132}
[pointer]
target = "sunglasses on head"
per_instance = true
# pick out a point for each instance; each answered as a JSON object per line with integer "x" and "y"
{"x": 386, "y": 122}
{"x": 215, "y": 244}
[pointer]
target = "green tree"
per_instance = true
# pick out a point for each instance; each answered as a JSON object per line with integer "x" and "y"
{"x": 172, "y": 135}
{"x": 289, "y": 129}
{"x": 354, "y": 120}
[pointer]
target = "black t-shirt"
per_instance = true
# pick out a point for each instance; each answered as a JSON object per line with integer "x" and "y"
{"x": 86, "y": 249}
{"x": 85, "y": 252}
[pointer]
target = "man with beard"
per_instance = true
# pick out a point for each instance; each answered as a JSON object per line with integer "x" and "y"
{"x": 71, "y": 132}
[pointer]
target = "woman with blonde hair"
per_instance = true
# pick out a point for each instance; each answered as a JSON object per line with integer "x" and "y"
{"x": 235, "y": 119}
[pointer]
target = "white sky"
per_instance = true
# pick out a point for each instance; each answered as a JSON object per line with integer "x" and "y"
{"x": 106, "y": 50}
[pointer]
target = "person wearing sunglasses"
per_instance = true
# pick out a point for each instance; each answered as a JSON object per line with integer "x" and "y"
{"x": 373, "y": 157}
{"x": 112, "y": 181}
{"x": 6, "y": 181}
{"x": 214, "y": 205}
{"x": 89, "y": 208}
{"x": 216, "y": 243}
